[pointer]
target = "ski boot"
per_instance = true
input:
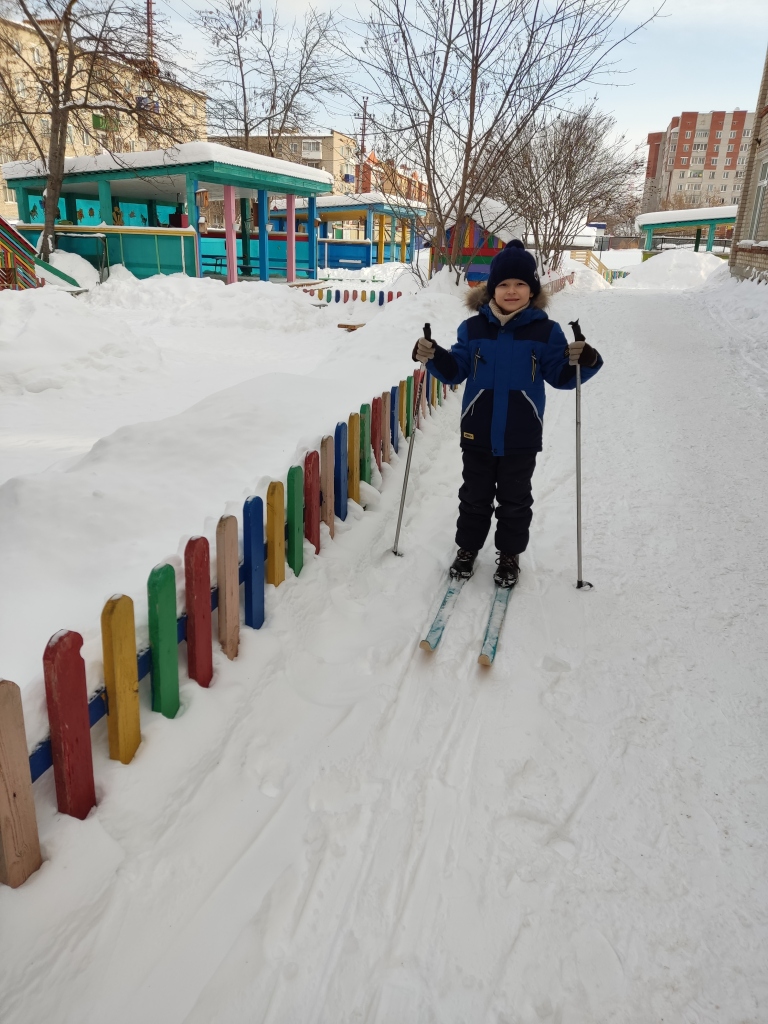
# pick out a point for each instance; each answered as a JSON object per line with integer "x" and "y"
{"x": 463, "y": 564}
{"x": 508, "y": 571}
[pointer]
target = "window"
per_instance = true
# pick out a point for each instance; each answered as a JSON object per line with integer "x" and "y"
{"x": 21, "y": 87}
{"x": 718, "y": 135}
{"x": 86, "y": 138}
{"x": 684, "y": 160}
{"x": 740, "y": 174}
{"x": 746, "y": 133}
{"x": 702, "y": 134}
{"x": 679, "y": 188}
{"x": 730, "y": 147}
{"x": 689, "y": 187}
{"x": 687, "y": 135}
{"x": 681, "y": 174}
{"x": 697, "y": 188}
{"x": 695, "y": 174}
{"x": 735, "y": 201}
{"x": 36, "y": 55}
{"x": 715, "y": 148}
{"x": 310, "y": 146}
{"x": 697, "y": 160}
{"x": 710, "y": 188}
{"x": 70, "y": 135}
{"x": 737, "y": 188}
{"x": 732, "y": 135}
{"x": 294, "y": 147}
{"x": 713, "y": 162}
{"x": 744, "y": 147}
{"x": 757, "y": 210}
{"x": 723, "y": 188}
{"x": 742, "y": 160}
{"x": 45, "y": 127}
{"x": 712, "y": 174}
{"x": 686, "y": 148}
{"x": 699, "y": 146}
{"x": 726, "y": 174}
{"x": 727, "y": 161}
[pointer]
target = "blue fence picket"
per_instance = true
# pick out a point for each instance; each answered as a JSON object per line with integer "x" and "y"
{"x": 340, "y": 470}
{"x": 253, "y": 561}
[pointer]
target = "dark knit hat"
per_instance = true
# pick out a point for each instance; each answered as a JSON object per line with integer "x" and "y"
{"x": 514, "y": 261}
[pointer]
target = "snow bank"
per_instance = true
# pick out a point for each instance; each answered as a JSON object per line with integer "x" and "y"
{"x": 673, "y": 270}
{"x": 621, "y": 259}
{"x": 75, "y": 266}
{"x": 585, "y": 279}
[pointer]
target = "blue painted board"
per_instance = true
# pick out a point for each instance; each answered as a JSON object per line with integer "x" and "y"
{"x": 340, "y": 471}
{"x": 253, "y": 561}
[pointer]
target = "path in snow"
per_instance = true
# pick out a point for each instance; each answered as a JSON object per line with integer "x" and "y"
{"x": 345, "y": 829}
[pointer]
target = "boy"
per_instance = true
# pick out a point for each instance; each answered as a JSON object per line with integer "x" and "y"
{"x": 505, "y": 353}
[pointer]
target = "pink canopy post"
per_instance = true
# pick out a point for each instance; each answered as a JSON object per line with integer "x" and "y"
{"x": 290, "y": 241}
{"x": 229, "y": 233}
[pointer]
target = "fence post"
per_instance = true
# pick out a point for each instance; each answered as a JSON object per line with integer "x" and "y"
{"x": 312, "y": 499}
{"x": 163, "y": 640}
{"x": 275, "y": 533}
{"x": 228, "y": 583}
{"x": 296, "y": 519}
{"x": 365, "y": 443}
{"x": 376, "y": 431}
{"x": 386, "y": 435}
{"x": 394, "y": 417}
{"x": 19, "y": 843}
{"x": 197, "y": 576}
{"x": 353, "y": 456}
{"x": 121, "y": 678}
{"x": 253, "y": 558}
{"x": 326, "y": 482}
{"x": 340, "y": 476}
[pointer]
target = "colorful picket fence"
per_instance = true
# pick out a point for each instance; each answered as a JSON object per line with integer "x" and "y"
{"x": 353, "y": 294}
{"x": 316, "y": 492}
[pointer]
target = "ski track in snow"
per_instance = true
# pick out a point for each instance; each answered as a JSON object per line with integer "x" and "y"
{"x": 346, "y": 829}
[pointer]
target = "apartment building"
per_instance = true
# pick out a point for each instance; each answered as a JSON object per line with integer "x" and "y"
{"x": 700, "y": 160}
{"x": 382, "y": 176}
{"x": 157, "y": 101}
{"x": 334, "y": 152}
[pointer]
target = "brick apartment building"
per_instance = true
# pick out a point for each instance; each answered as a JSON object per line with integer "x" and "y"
{"x": 700, "y": 160}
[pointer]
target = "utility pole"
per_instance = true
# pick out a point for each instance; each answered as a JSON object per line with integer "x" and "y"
{"x": 150, "y": 31}
{"x": 364, "y": 121}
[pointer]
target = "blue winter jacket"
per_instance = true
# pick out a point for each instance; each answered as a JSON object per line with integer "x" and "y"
{"x": 505, "y": 369}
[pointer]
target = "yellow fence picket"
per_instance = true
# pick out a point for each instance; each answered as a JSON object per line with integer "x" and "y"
{"x": 228, "y": 583}
{"x": 353, "y": 457}
{"x": 275, "y": 533}
{"x": 19, "y": 843}
{"x": 326, "y": 482}
{"x": 121, "y": 678}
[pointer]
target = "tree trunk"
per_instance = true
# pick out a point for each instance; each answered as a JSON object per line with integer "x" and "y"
{"x": 56, "y": 152}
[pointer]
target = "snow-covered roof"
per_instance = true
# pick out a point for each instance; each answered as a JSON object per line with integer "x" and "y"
{"x": 361, "y": 199}
{"x": 186, "y": 153}
{"x": 496, "y": 218}
{"x": 694, "y": 216}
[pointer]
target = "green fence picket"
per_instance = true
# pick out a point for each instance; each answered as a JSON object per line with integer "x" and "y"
{"x": 365, "y": 443}
{"x": 163, "y": 640}
{"x": 295, "y": 515}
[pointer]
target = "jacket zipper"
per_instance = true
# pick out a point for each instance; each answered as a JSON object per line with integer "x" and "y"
{"x": 533, "y": 366}
{"x": 478, "y": 359}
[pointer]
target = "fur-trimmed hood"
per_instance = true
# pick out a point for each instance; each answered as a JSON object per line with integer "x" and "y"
{"x": 478, "y": 296}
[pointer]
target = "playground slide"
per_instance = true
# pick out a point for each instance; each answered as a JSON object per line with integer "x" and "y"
{"x": 56, "y": 273}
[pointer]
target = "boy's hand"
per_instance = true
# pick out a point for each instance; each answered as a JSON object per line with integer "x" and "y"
{"x": 423, "y": 350}
{"x": 582, "y": 353}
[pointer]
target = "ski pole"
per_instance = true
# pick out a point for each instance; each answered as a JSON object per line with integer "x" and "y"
{"x": 580, "y": 582}
{"x": 428, "y": 336}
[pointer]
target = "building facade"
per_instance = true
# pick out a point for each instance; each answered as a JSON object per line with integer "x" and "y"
{"x": 700, "y": 160}
{"x": 749, "y": 252}
{"x": 382, "y": 176}
{"x": 333, "y": 152}
{"x": 167, "y": 104}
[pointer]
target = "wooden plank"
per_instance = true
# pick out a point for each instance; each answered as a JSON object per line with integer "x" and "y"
{"x": 163, "y": 640}
{"x": 386, "y": 434}
{"x": 121, "y": 678}
{"x": 275, "y": 533}
{"x": 295, "y": 515}
{"x": 312, "y": 499}
{"x": 19, "y": 843}
{"x": 66, "y": 697}
{"x": 440, "y": 393}
{"x": 409, "y": 406}
{"x": 365, "y": 442}
{"x": 425, "y": 375}
{"x": 376, "y": 431}
{"x": 228, "y": 583}
{"x": 353, "y": 456}
{"x": 340, "y": 473}
{"x": 253, "y": 558}
{"x": 394, "y": 418}
{"x": 326, "y": 483}
{"x": 402, "y": 394}
{"x": 197, "y": 576}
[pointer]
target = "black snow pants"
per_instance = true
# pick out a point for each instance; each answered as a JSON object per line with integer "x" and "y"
{"x": 507, "y": 478}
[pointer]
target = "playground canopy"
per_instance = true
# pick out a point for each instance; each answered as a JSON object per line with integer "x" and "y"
{"x": 173, "y": 177}
{"x": 710, "y": 217}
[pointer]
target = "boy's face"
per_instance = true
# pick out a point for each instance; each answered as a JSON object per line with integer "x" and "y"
{"x": 512, "y": 294}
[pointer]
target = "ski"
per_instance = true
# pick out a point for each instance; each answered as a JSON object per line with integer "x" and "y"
{"x": 433, "y": 637}
{"x": 495, "y": 622}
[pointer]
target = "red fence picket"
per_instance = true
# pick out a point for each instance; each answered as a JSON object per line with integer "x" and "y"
{"x": 312, "y": 499}
{"x": 197, "y": 574}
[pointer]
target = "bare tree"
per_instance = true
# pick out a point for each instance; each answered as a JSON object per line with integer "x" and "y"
{"x": 562, "y": 169}
{"x": 265, "y": 78}
{"x": 86, "y": 58}
{"x": 458, "y": 82}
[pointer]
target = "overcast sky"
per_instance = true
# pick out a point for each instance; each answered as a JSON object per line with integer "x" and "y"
{"x": 696, "y": 55}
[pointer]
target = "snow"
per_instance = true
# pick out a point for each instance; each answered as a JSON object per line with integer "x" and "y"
{"x": 343, "y": 828}
{"x": 693, "y": 216}
{"x": 620, "y": 259}
{"x": 497, "y": 218}
{"x": 75, "y": 266}
{"x": 185, "y": 153}
{"x": 353, "y": 199}
{"x": 673, "y": 270}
